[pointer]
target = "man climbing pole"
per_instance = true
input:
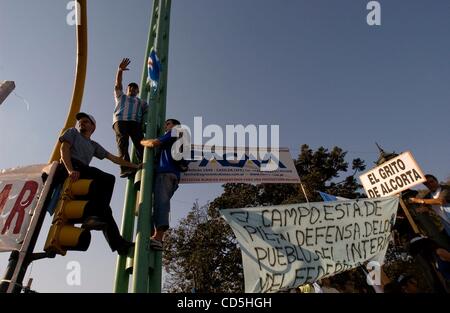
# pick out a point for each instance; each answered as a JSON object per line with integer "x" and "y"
{"x": 166, "y": 182}
{"x": 127, "y": 119}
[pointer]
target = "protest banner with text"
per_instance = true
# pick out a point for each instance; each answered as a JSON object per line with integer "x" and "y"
{"x": 286, "y": 246}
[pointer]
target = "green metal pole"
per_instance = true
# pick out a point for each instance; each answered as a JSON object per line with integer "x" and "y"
{"x": 155, "y": 273}
{"x": 164, "y": 47}
{"x": 122, "y": 276}
{"x": 143, "y": 253}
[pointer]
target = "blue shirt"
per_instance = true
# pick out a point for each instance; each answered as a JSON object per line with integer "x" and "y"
{"x": 166, "y": 162}
{"x": 128, "y": 108}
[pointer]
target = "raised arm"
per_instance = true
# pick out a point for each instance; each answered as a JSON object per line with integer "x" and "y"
{"x": 123, "y": 66}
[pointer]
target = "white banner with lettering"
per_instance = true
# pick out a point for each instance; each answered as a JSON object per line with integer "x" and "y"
{"x": 19, "y": 192}
{"x": 286, "y": 246}
{"x": 251, "y": 166}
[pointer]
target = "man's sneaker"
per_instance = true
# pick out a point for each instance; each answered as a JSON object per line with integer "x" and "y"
{"x": 127, "y": 173}
{"x": 94, "y": 223}
{"x": 156, "y": 244}
{"x": 124, "y": 247}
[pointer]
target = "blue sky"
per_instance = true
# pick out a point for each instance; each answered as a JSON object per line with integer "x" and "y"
{"x": 314, "y": 67}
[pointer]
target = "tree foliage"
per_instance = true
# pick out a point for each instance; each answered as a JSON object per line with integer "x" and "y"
{"x": 202, "y": 252}
{"x": 200, "y": 256}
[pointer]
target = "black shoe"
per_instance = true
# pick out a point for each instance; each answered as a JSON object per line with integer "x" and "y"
{"x": 156, "y": 245}
{"x": 127, "y": 173}
{"x": 124, "y": 247}
{"x": 94, "y": 223}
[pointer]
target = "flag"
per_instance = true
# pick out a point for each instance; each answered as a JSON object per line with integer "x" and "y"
{"x": 6, "y": 87}
{"x": 327, "y": 197}
{"x": 154, "y": 67}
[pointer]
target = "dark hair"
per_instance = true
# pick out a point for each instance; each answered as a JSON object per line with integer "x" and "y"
{"x": 432, "y": 177}
{"x": 424, "y": 246}
{"x": 392, "y": 287}
{"x": 403, "y": 279}
{"x": 133, "y": 85}
{"x": 173, "y": 121}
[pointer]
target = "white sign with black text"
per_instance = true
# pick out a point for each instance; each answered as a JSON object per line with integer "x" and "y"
{"x": 392, "y": 177}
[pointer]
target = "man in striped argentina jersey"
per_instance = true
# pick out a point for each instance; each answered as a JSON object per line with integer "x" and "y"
{"x": 128, "y": 118}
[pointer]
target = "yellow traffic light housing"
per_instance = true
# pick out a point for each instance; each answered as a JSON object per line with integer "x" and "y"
{"x": 70, "y": 210}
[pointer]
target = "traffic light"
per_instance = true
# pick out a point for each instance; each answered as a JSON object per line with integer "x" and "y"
{"x": 72, "y": 208}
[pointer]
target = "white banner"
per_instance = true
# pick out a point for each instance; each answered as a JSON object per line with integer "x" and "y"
{"x": 286, "y": 246}
{"x": 19, "y": 192}
{"x": 392, "y": 177}
{"x": 252, "y": 166}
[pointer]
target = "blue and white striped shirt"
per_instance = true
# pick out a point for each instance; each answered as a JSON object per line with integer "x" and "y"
{"x": 128, "y": 108}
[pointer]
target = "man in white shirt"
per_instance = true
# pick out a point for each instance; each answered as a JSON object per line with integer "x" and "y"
{"x": 436, "y": 200}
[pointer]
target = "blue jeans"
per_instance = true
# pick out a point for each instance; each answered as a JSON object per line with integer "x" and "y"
{"x": 165, "y": 186}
